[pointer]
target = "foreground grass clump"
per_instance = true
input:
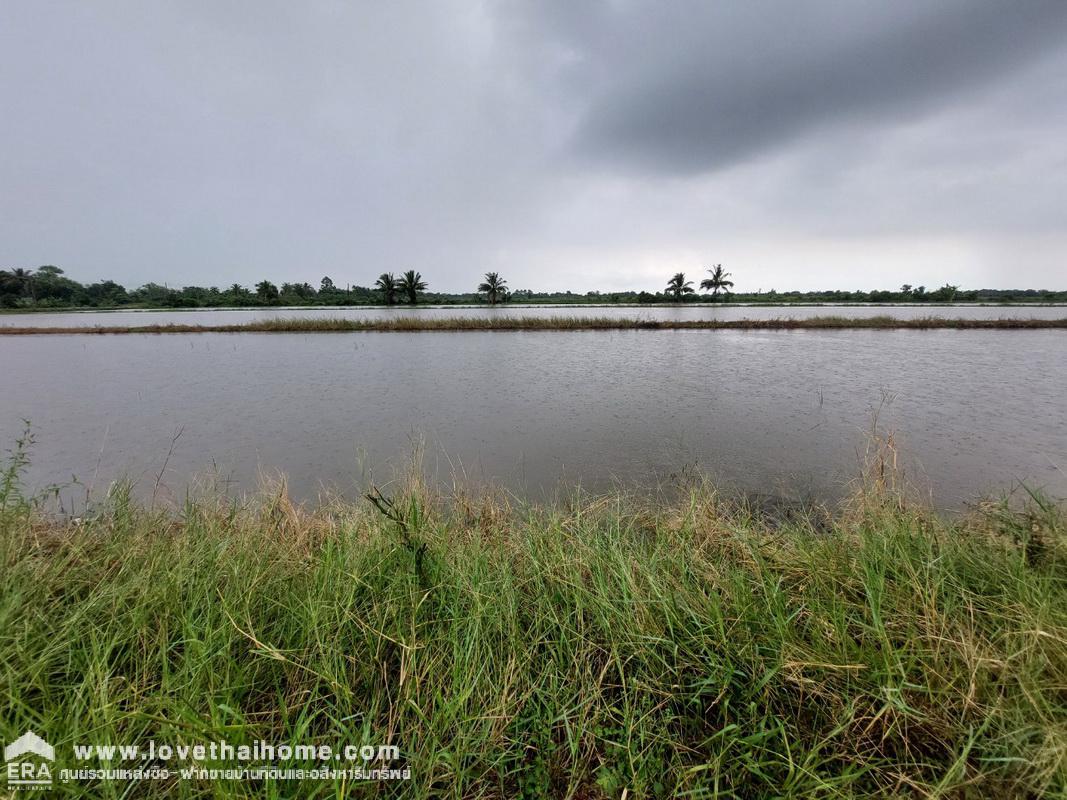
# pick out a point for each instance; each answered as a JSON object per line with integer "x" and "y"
{"x": 600, "y": 647}
{"x": 411, "y": 324}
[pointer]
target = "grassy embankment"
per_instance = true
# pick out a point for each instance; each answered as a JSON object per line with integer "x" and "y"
{"x": 603, "y": 647}
{"x": 561, "y": 323}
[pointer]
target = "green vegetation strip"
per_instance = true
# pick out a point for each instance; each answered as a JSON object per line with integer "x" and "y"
{"x": 555, "y": 323}
{"x": 595, "y": 648}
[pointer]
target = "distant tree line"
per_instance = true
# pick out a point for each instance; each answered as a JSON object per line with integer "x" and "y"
{"x": 48, "y": 287}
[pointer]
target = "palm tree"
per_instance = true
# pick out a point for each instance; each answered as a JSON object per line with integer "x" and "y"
{"x": 387, "y": 284}
{"x": 717, "y": 281}
{"x": 26, "y": 278}
{"x": 495, "y": 288}
{"x": 678, "y": 286}
{"x": 411, "y": 283}
{"x": 266, "y": 291}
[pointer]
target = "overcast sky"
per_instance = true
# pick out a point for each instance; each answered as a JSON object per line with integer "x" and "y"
{"x": 571, "y": 145}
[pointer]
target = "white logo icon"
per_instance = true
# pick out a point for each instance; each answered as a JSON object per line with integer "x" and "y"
{"x": 29, "y": 742}
{"x": 27, "y": 773}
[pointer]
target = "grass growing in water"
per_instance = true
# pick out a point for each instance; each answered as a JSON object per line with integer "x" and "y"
{"x": 602, "y": 647}
{"x": 555, "y": 323}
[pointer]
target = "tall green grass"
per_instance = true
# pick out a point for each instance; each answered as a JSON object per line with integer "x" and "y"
{"x": 599, "y": 647}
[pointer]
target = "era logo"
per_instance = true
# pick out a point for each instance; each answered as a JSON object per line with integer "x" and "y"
{"x": 29, "y": 774}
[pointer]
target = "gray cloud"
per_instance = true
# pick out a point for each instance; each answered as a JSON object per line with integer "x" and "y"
{"x": 728, "y": 97}
{"x": 580, "y": 145}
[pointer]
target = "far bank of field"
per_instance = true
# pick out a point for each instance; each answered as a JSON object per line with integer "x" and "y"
{"x": 552, "y": 323}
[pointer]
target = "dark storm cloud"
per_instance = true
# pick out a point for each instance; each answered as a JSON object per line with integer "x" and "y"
{"x": 753, "y": 81}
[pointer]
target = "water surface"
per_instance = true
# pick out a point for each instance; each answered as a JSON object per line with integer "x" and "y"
{"x": 773, "y": 411}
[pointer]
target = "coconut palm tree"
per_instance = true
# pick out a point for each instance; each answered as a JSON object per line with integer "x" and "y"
{"x": 411, "y": 283}
{"x": 678, "y": 286}
{"x": 717, "y": 281}
{"x": 266, "y": 291}
{"x": 495, "y": 288}
{"x": 387, "y": 284}
{"x": 26, "y": 278}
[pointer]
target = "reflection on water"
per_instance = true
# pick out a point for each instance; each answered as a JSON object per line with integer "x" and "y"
{"x": 772, "y": 411}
